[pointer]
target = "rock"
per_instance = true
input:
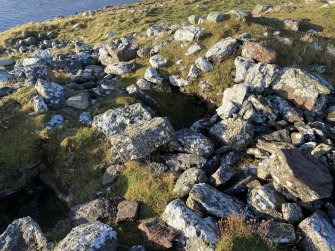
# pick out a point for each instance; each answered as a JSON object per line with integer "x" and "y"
{"x": 304, "y": 177}
{"x": 85, "y": 118}
{"x": 266, "y": 202}
{"x": 258, "y": 52}
{"x": 157, "y": 168}
{"x": 159, "y": 233}
{"x": 292, "y": 212}
{"x": 283, "y": 108}
{"x": 205, "y": 86}
{"x": 56, "y": 121}
{"x": 297, "y": 138}
{"x": 222, "y": 175}
{"x": 261, "y": 9}
{"x": 110, "y": 34}
{"x": 242, "y": 66}
{"x": 123, "y": 49}
{"x": 189, "y": 33}
{"x": 116, "y": 120}
{"x": 204, "y": 65}
{"x": 183, "y": 161}
{"x": 111, "y": 174}
{"x": 216, "y": 17}
{"x": 331, "y": 114}
{"x": 191, "y": 225}
{"x": 4, "y": 91}
{"x": 193, "y": 73}
{"x": 235, "y": 132}
{"x": 140, "y": 139}
{"x": 303, "y": 89}
{"x": 135, "y": 91}
{"x": 331, "y": 212}
{"x": 318, "y": 232}
{"x": 154, "y": 31}
{"x": 137, "y": 248}
{"x": 261, "y": 76}
{"x": 93, "y": 236}
{"x": 39, "y": 104}
{"x": 127, "y": 211}
{"x": 157, "y": 61}
{"x": 5, "y": 77}
{"x": 192, "y": 142}
{"x": 194, "y": 49}
{"x": 194, "y": 19}
{"x": 293, "y": 25}
{"x": 280, "y": 233}
{"x": 53, "y": 94}
{"x": 187, "y": 180}
{"x": 178, "y": 81}
{"x": 79, "y": 101}
{"x": 144, "y": 84}
{"x": 206, "y": 199}
{"x": 222, "y": 50}
{"x": 120, "y": 68}
{"x": 95, "y": 210}
{"x": 6, "y": 62}
{"x": 23, "y": 234}
{"x": 152, "y": 75}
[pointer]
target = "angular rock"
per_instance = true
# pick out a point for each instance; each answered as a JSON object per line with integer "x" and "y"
{"x": 154, "y": 31}
{"x": 152, "y": 75}
{"x": 127, "y": 211}
{"x": 193, "y": 72}
{"x": 242, "y": 66}
{"x": 283, "y": 108}
{"x": 203, "y": 64}
{"x": 139, "y": 140}
{"x": 5, "y": 77}
{"x": 280, "y": 233}
{"x": 216, "y": 17}
{"x": 85, "y": 118}
{"x": 156, "y": 61}
{"x": 53, "y": 94}
{"x": 56, "y": 121}
{"x": 178, "y": 81}
{"x": 79, "y": 101}
{"x": 123, "y": 49}
{"x": 5, "y": 90}
{"x": 258, "y": 52}
{"x": 183, "y": 161}
{"x": 261, "y": 9}
{"x": 6, "y": 62}
{"x": 39, "y": 104}
{"x": 292, "y": 212}
{"x": 222, "y": 175}
{"x": 222, "y": 50}
{"x": 120, "y": 68}
{"x": 293, "y": 25}
{"x": 194, "y": 49}
{"x": 189, "y": 33}
{"x": 194, "y": 19}
{"x": 93, "y": 236}
{"x": 187, "y": 180}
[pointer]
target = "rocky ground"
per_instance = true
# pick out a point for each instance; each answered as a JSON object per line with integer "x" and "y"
{"x": 173, "y": 125}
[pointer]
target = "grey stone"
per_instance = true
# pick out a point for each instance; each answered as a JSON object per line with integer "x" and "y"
{"x": 154, "y": 31}
{"x": 222, "y": 50}
{"x": 127, "y": 211}
{"x": 120, "y": 68}
{"x": 189, "y": 33}
{"x": 280, "y": 233}
{"x": 216, "y": 17}
{"x": 194, "y": 49}
{"x": 56, "y": 121}
{"x": 157, "y": 61}
{"x": 39, "y": 104}
{"x": 292, "y": 212}
{"x": 187, "y": 180}
{"x": 5, "y": 90}
{"x": 242, "y": 65}
{"x": 53, "y": 94}
{"x": 152, "y": 75}
{"x": 203, "y": 64}
{"x": 183, "y": 161}
{"x": 79, "y": 101}
{"x": 178, "y": 81}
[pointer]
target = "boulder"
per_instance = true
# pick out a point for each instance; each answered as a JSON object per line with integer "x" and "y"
{"x": 23, "y": 234}
{"x": 127, "y": 211}
{"x": 183, "y": 161}
{"x": 283, "y": 108}
{"x": 242, "y": 66}
{"x": 190, "y": 224}
{"x": 222, "y": 50}
{"x": 111, "y": 174}
{"x": 303, "y": 89}
{"x": 292, "y": 212}
{"x": 5, "y": 77}
{"x": 303, "y": 176}
{"x": 159, "y": 233}
{"x": 93, "y": 236}
{"x": 85, "y": 118}
{"x": 189, "y": 33}
{"x": 95, "y": 210}
{"x": 280, "y": 233}
{"x": 123, "y": 49}
{"x": 39, "y": 104}
{"x": 152, "y": 75}
{"x": 206, "y": 199}
{"x": 319, "y": 234}
{"x": 140, "y": 139}
{"x": 6, "y": 62}
{"x": 203, "y": 64}
{"x": 193, "y": 73}
{"x": 53, "y": 94}
{"x": 116, "y": 120}
{"x": 79, "y": 101}
{"x": 216, "y": 17}
{"x": 120, "y": 68}
{"x": 187, "y": 180}
{"x": 222, "y": 175}
{"x": 258, "y": 52}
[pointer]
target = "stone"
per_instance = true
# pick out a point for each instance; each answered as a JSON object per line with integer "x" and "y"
{"x": 190, "y": 224}
{"x": 261, "y": 76}
{"x": 331, "y": 212}
{"x": 157, "y": 61}
{"x": 222, "y": 175}
{"x": 39, "y": 104}
{"x": 266, "y": 202}
{"x": 292, "y": 212}
{"x": 258, "y": 52}
{"x": 6, "y": 62}
{"x": 188, "y": 141}
{"x": 144, "y": 84}
{"x": 140, "y": 139}
{"x": 293, "y": 25}
{"x": 203, "y": 64}
{"x": 127, "y": 211}
{"x": 194, "y": 19}
{"x": 159, "y": 233}
{"x": 136, "y": 92}
{"x": 23, "y": 234}
{"x": 5, "y": 77}
{"x": 152, "y": 75}
{"x": 303, "y": 176}
{"x": 205, "y": 86}
{"x": 193, "y": 73}
{"x": 216, "y": 17}
{"x": 234, "y": 132}
{"x": 120, "y": 68}
{"x": 222, "y": 50}
{"x": 183, "y": 161}
{"x": 93, "y": 236}
{"x": 331, "y": 114}
{"x": 85, "y": 118}
{"x": 280, "y": 233}
{"x": 194, "y": 49}
{"x": 178, "y": 81}
{"x": 154, "y": 31}
{"x": 283, "y": 108}
{"x": 303, "y": 89}
{"x": 56, "y": 121}
{"x": 111, "y": 174}
{"x": 297, "y": 138}
{"x": 116, "y": 120}
{"x": 144, "y": 52}
{"x": 53, "y": 94}
{"x": 79, "y": 101}
{"x": 123, "y": 49}
{"x": 206, "y": 199}
{"x": 262, "y": 9}
{"x": 187, "y": 180}
{"x": 264, "y": 168}
{"x": 95, "y": 210}
{"x": 318, "y": 233}
{"x": 242, "y": 66}
{"x": 189, "y": 33}
{"x": 5, "y": 90}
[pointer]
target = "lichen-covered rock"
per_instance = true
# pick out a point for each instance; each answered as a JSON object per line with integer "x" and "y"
{"x": 193, "y": 73}
{"x": 93, "y": 236}
{"x": 280, "y": 233}
{"x": 157, "y": 61}
{"x": 194, "y": 49}
{"x": 39, "y": 104}
{"x": 283, "y": 108}
{"x": 154, "y": 31}
{"x": 178, "y": 81}
{"x": 242, "y": 65}
{"x": 234, "y": 132}
{"x": 206, "y": 199}
{"x": 98, "y": 209}
{"x": 292, "y": 212}
{"x": 79, "y": 101}
{"x": 258, "y": 52}
{"x": 319, "y": 234}
{"x": 222, "y": 50}
{"x": 134, "y": 91}
{"x": 190, "y": 224}
{"x": 183, "y": 161}
{"x": 123, "y": 49}
{"x": 56, "y": 121}
{"x": 195, "y": 19}
{"x": 222, "y": 175}
{"x": 152, "y": 75}
{"x": 187, "y": 180}
{"x": 141, "y": 139}
{"x": 189, "y": 33}
{"x": 120, "y": 68}
{"x": 303, "y": 89}
{"x": 53, "y": 94}
{"x": 203, "y": 64}
{"x": 25, "y": 235}
{"x": 127, "y": 211}
{"x": 216, "y": 17}
{"x": 116, "y": 120}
